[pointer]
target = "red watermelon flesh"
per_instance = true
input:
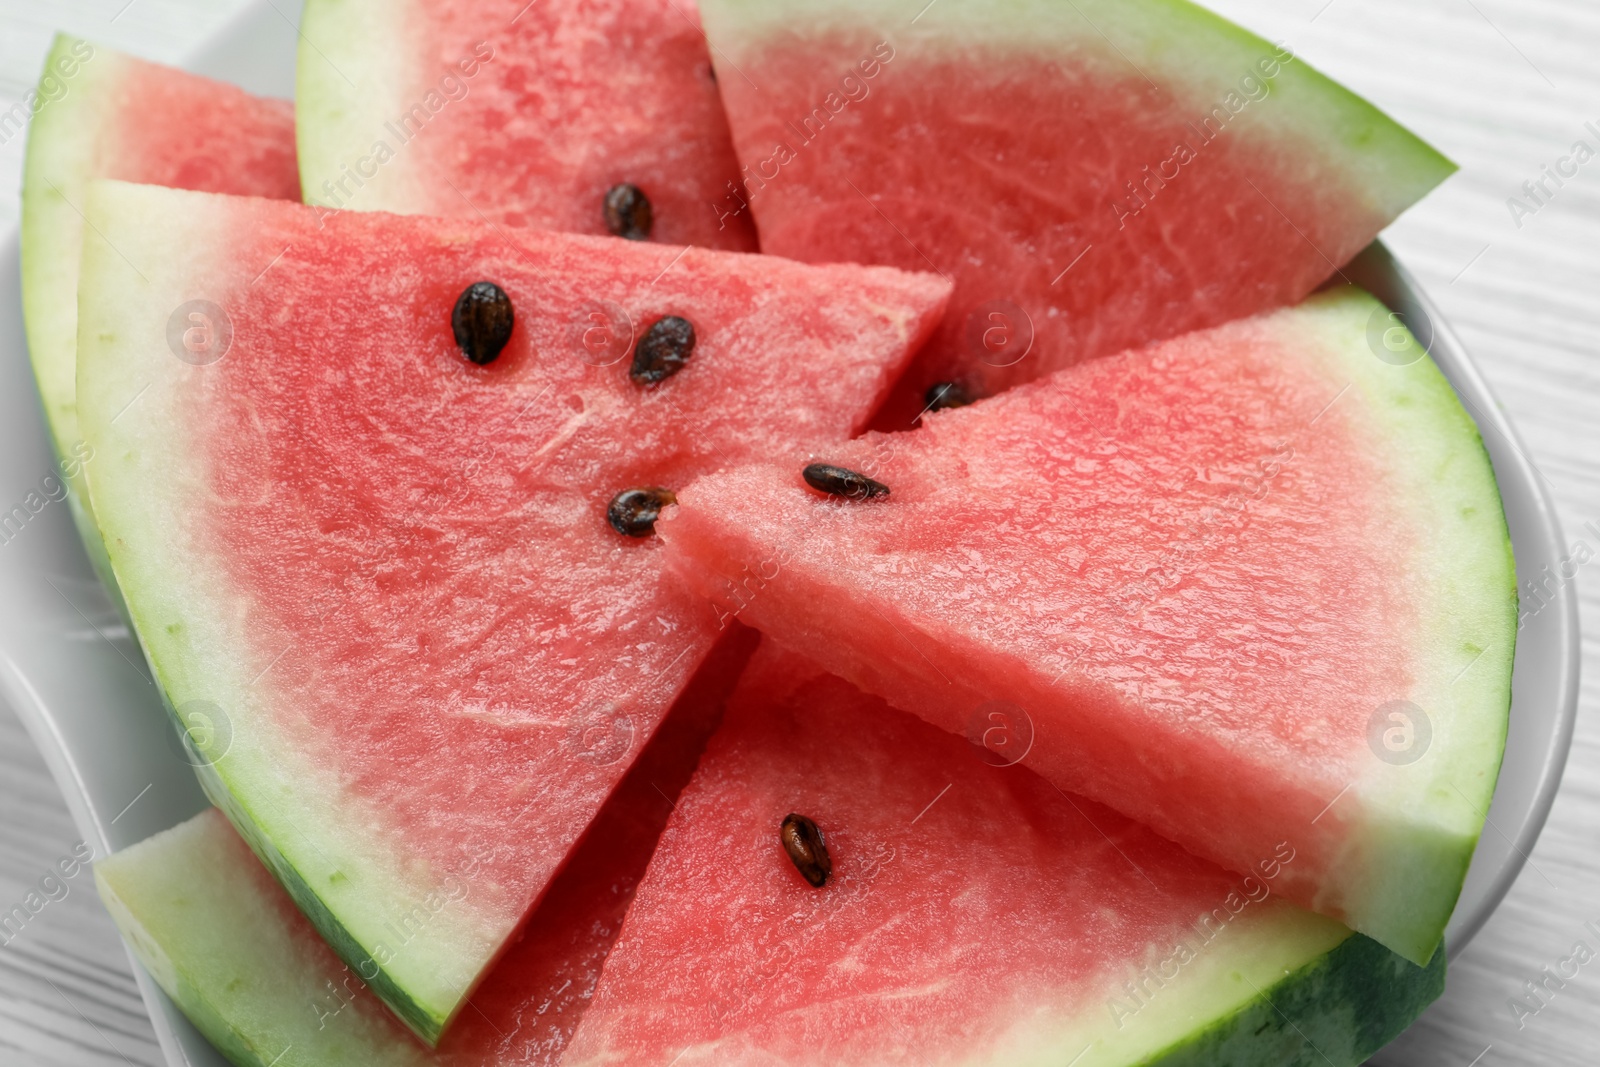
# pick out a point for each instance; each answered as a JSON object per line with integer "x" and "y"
{"x": 106, "y": 115}
{"x": 530, "y": 1004}
{"x": 388, "y": 571}
{"x": 522, "y": 113}
{"x": 1247, "y": 586}
{"x": 974, "y": 915}
{"x": 1092, "y": 176}
{"x": 229, "y": 945}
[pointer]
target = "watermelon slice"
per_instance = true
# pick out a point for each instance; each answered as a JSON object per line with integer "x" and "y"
{"x": 229, "y": 946}
{"x": 1248, "y": 586}
{"x": 376, "y": 580}
{"x": 1108, "y": 173}
{"x": 527, "y": 114}
{"x": 103, "y": 114}
{"x": 974, "y": 915}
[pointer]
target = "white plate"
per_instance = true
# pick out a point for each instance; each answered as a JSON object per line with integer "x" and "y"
{"x": 79, "y": 683}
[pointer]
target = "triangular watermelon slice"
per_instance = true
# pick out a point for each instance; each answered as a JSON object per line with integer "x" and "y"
{"x": 101, "y": 114}
{"x": 529, "y": 114}
{"x": 1093, "y": 175}
{"x": 379, "y": 582}
{"x": 228, "y": 945}
{"x": 1247, "y": 586}
{"x": 974, "y": 914}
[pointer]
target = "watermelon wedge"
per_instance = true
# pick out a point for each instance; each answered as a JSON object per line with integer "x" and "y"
{"x": 1248, "y": 586}
{"x": 1093, "y": 175}
{"x": 377, "y": 580}
{"x": 100, "y": 114}
{"x": 974, "y": 915}
{"x": 229, "y": 946}
{"x": 527, "y": 114}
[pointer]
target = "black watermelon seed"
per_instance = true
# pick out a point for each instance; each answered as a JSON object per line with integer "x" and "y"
{"x": 802, "y": 840}
{"x": 841, "y": 481}
{"x": 943, "y": 395}
{"x": 628, "y": 212}
{"x": 482, "y": 321}
{"x": 633, "y": 512}
{"x": 663, "y": 351}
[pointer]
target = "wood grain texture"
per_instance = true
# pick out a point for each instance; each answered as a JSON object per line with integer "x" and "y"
{"x": 1502, "y": 87}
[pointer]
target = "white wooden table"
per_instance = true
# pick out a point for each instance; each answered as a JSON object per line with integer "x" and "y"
{"x": 1504, "y": 88}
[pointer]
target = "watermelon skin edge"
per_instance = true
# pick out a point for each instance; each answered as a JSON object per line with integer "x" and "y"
{"x": 258, "y": 1011}
{"x": 427, "y": 1023}
{"x": 1340, "y": 1009}
{"x": 60, "y": 142}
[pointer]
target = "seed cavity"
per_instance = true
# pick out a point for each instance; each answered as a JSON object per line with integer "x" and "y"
{"x": 663, "y": 351}
{"x": 628, "y": 212}
{"x": 633, "y": 512}
{"x": 802, "y": 840}
{"x": 841, "y": 481}
{"x": 943, "y": 395}
{"x": 482, "y": 322}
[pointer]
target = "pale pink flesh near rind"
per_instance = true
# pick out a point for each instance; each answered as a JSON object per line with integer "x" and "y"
{"x": 523, "y": 114}
{"x": 1203, "y": 569}
{"x": 392, "y": 570}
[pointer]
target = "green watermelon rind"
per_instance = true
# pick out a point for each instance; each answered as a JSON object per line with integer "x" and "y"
{"x": 193, "y": 655}
{"x": 62, "y": 142}
{"x": 1164, "y": 40}
{"x": 1340, "y": 1008}
{"x": 428, "y": 1022}
{"x": 1468, "y": 631}
{"x": 187, "y": 905}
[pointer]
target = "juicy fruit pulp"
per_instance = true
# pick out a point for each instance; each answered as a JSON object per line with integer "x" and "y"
{"x": 975, "y": 915}
{"x": 1107, "y": 173}
{"x": 524, "y": 114}
{"x": 1267, "y": 562}
{"x": 225, "y": 941}
{"x": 387, "y": 571}
{"x": 105, "y": 115}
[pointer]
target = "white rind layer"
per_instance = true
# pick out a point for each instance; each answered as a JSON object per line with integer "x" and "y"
{"x": 338, "y": 116}
{"x": 192, "y": 621}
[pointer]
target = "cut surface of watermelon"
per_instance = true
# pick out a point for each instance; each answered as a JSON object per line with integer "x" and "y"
{"x": 1246, "y": 586}
{"x": 526, "y": 114}
{"x": 101, "y": 114}
{"x": 975, "y": 915}
{"x": 236, "y": 955}
{"x": 383, "y": 576}
{"x": 1093, "y": 176}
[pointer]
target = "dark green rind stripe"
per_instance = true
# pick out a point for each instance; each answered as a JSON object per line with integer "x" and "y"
{"x": 427, "y": 1025}
{"x": 1337, "y": 1010}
